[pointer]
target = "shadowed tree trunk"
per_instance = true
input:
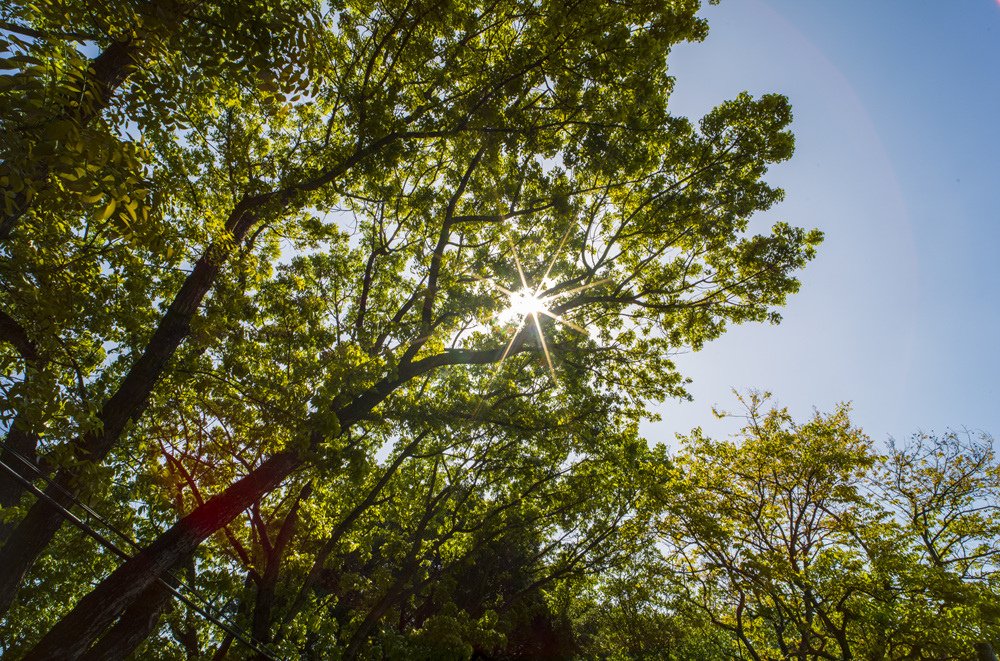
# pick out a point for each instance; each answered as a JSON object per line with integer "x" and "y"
{"x": 134, "y": 626}
{"x": 20, "y": 451}
{"x": 36, "y": 530}
{"x": 72, "y": 635}
{"x": 274, "y": 554}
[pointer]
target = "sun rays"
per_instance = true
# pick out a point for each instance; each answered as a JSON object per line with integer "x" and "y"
{"x": 523, "y": 303}
{"x": 528, "y": 303}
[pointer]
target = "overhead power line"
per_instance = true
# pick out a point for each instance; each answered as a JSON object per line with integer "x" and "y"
{"x": 104, "y": 541}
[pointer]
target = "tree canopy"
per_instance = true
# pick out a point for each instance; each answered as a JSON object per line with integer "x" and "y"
{"x": 326, "y": 330}
{"x": 804, "y": 541}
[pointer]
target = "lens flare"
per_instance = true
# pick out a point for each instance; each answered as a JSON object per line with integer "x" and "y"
{"x": 527, "y": 304}
{"x": 523, "y": 303}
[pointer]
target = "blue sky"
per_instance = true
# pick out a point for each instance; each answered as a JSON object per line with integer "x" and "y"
{"x": 897, "y": 123}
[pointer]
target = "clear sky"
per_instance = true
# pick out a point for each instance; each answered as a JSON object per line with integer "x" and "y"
{"x": 897, "y": 123}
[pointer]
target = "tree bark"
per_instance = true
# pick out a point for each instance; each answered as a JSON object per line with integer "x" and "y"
{"x": 42, "y": 522}
{"x": 20, "y": 447}
{"x": 133, "y": 627}
{"x": 984, "y": 652}
{"x": 266, "y": 588}
{"x": 73, "y": 634}
{"x": 133, "y": 393}
{"x": 20, "y": 451}
{"x": 71, "y": 637}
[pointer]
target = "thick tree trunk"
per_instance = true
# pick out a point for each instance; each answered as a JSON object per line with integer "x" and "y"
{"x": 263, "y": 607}
{"x": 41, "y": 523}
{"x": 224, "y": 648}
{"x": 984, "y": 652}
{"x": 267, "y": 587}
{"x": 20, "y": 454}
{"x": 134, "y": 626}
{"x": 29, "y": 539}
{"x": 71, "y": 636}
{"x": 133, "y": 393}
{"x": 20, "y": 451}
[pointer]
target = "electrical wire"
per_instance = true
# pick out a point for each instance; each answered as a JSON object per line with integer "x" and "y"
{"x": 101, "y": 539}
{"x": 90, "y": 512}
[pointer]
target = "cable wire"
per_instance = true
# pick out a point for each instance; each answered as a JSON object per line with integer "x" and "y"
{"x": 101, "y": 539}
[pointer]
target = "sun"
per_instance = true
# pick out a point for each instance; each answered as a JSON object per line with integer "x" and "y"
{"x": 527, "y": 305}
{"x": 526, "y": 302}
{"x": 523, "y": 303}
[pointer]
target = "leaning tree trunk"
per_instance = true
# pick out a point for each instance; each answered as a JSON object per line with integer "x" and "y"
{"x": 20, "y": 449}
{"x": 133, "y": 394}
{"x": 71, "y": 637}
{"x": 20, "y": 454}
{"x": 134, "y": 626}
{"x": 43, "y": 520}
{"x": 268, "y": 584}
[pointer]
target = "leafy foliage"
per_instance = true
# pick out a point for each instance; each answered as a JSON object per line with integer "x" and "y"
{"x": 257, "y": 264}
{"x": 799, "y": 540}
